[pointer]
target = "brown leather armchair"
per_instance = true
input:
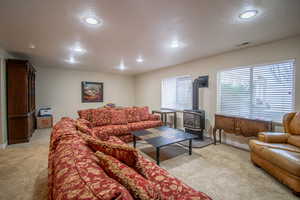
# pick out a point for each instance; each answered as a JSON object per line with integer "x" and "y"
{"x": 279, "y": 153}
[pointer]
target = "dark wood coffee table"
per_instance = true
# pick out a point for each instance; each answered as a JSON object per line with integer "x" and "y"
{"x": 163, "y": 136}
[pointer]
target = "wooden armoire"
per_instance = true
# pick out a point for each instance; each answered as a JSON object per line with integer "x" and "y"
{"x": 20, "y": 100}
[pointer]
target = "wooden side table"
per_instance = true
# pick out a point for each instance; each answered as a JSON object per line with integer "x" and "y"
{"x": 163, "y": 116}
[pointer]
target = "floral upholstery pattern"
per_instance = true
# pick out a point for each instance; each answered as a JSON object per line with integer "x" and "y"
{"x": 169, "y": 186}
{"x": 118, "y": 117}
{"x": 153, "y": 117}
{"x": 111, "y": 122}
{"x": 74, "y": 173}
{"x": 85, "y": 122}
{"x": 101, "y": 117}
{"x": 85, "y": 114}
{"x": 132, "y": 115}
{"x": 143, "y": 112}
{"x": 122, "y": 152}
{"x": 110, "y": 130}
{"x": 138, "y": 186}
{"x": 126, "y": 138}
{"x": 83, "y": 127}
{"x": 144, "y": 125}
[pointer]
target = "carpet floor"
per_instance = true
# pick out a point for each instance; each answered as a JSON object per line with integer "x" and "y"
{"x": 223, "y": 172}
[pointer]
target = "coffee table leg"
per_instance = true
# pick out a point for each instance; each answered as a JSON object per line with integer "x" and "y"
{"x": 190, "y": 147}
{"x": 157, "y": 155}
{"x": 134, "y": 141}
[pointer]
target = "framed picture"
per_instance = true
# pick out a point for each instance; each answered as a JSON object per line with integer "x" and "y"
{"x": 91, "y": 92}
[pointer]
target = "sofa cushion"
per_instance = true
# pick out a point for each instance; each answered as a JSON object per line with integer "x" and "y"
{"x": 139, "y": 187}
{"x": 111, "y": 130}
{"x": 294, "y": 126}
{"x": 118, "y": 117}
{"x": 74, "y": 173}
{"x": 83, "y": 127}
{"x": 85, "y": 114}
{"x": 284, "y": 156}
{"x": 126, "y": 138}
{"x": 144, "y": 125}
{"x": 124, "y": 153}
{"x": 294, "y": 140}
{"x": 101, "y": 117}
{"x": 132, "y": 115}
{"x": 143, "y": 112}
{"x": 169, "y": 186}
{"x": 85, "y": 122}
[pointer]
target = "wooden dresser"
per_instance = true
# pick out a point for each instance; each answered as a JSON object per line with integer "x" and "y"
{"x": 20, "y": 100}
{"x": 239, "y": 126}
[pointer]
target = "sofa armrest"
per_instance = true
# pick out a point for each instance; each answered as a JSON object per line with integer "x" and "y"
{"x": 272, "y": 137}
{"x": 154, "y": 117}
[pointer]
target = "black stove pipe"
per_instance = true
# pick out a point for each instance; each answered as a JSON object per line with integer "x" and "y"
{"x": 196, "y": 86}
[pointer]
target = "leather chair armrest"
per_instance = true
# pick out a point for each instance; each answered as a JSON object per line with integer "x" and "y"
{"x": 272, "y": 137}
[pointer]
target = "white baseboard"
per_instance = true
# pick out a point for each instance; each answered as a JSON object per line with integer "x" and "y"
{"x": 3, "y": 146}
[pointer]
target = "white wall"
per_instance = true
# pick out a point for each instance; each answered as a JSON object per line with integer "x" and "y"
{"x": 61, "y": 90}
{"x": 3, "y": 118}
{"x": 148, "y": 84}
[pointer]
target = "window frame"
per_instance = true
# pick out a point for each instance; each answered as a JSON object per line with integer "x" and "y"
{"x": 161, "y": 91}
{"x": 293, "y": 60}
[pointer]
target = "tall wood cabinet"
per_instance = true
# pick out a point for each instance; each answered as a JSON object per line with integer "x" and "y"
{"x": 20, "y": 100}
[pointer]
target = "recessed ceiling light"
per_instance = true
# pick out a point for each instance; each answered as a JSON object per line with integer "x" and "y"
{"x": 71, "y": 60}
{"x": 175, "y": 44}
{"x": 122, "y": 66}
{"x": 248, "y": 14}
{"x": 31, "y": 46}
{"x": 140, "y": 59}
{"x": 78, "y": 49}
{"x": 92, "y": 20}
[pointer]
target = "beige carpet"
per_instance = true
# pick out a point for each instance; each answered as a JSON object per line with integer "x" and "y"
{"x": 223, "y": 172}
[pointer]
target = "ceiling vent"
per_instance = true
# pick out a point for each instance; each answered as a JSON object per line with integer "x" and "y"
{"x": 244, "y": 44}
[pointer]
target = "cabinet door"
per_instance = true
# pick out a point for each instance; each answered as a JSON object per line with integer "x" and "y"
{"x": 249, "y": 127}
{"x": 225, "y": 122}
{"x": 17, "y": 87}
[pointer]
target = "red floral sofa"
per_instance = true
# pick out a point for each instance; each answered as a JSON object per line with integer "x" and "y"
{"x": 75, "y": 174}
{"x": 105, "y": 122}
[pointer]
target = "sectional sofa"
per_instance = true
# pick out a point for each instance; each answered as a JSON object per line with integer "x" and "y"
{"x": 119, "y": 122}
{"x": 75, "y": 172}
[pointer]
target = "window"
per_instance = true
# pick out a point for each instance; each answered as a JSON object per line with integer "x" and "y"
{"x": 176, "y": 93}
{"x": 261, "y": 92}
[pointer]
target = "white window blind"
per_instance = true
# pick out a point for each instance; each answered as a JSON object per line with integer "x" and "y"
{"x": 259, "y": 92}
{"x": 176, "y": 93}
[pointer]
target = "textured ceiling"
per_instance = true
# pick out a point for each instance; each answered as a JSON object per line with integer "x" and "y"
{"x": 139, "y": 27}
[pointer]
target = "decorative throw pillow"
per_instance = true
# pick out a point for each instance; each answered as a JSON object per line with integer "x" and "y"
{"x": 85, "y": 114}
{"x": 85, "y": 122}
{"x": 137, "y": 185}
{"x": 122, "y": 152}
{"x": 144, "y": 113}
{"x": 83, "y": 127}
{"x": 118, "y": 117}
{"x": 132, "y": 115}
{"x": 101, "y": 117}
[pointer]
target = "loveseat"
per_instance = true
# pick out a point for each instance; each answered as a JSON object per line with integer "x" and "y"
{"x": 279, "y": 153}
{"x": 119, "y": 122}
{"x": 74, "y": 171}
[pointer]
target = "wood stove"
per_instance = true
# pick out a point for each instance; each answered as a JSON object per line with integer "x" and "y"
{"x": 194, "y": 122}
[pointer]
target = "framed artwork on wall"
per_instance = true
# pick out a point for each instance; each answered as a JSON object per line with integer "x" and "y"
{"x": 91, "y": 92}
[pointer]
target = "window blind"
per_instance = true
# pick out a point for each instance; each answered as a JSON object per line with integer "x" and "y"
{"x": 260, "y": 92}
{"x": 176, "y": 93}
